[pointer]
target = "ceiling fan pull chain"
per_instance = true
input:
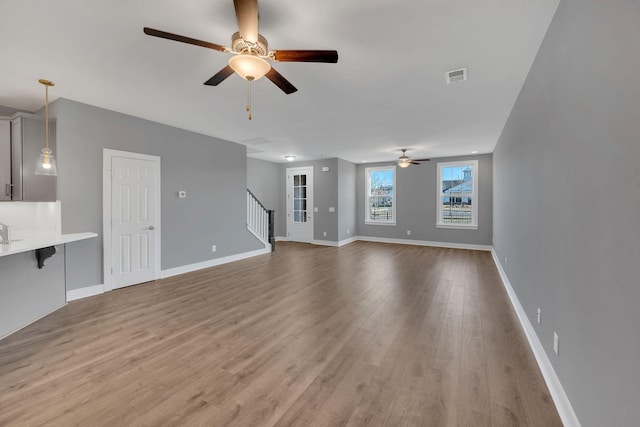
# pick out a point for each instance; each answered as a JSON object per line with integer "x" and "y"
{"x": 249, "y": 99}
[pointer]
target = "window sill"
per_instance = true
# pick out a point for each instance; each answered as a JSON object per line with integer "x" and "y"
{"x": 457, "y": 226}
{"x": 380, "y": 223}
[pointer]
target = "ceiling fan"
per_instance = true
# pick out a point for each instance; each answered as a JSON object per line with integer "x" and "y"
{"x": 405, "y": 161}
{"x": 250, "y": 51}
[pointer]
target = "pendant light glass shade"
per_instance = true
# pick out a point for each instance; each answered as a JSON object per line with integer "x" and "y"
{"x": 46, "y": 163}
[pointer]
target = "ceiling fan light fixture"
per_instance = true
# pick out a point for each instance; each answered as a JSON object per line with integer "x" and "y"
{"x": 249, "y": 67}
{"x": 404, "y": 163}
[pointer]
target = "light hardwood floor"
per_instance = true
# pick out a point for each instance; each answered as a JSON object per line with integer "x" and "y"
{"x": 368, "y": 334}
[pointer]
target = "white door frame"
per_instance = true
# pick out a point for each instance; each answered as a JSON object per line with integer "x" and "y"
{"x": 107, "y": 156}
{"x": 310, "y": 203}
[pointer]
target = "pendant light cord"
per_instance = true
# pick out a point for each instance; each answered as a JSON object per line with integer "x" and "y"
{"x": 46, "y": 118}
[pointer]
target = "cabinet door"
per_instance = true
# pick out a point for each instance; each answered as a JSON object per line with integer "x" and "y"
{"x": 16, "y": 158}
{"x": 5, "y": 159}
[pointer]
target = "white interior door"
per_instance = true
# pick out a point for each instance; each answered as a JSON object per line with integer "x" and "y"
{"x": 300, "y": 204}
{"x": 133, "y": 221}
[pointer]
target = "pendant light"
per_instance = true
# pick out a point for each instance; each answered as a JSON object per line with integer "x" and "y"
{"x": 46, "y": 163}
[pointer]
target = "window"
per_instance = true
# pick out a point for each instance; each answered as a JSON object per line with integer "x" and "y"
{"x": 457, "y": 195}
{"x": 300, "y": 198}
{"x": 380, "y": 193}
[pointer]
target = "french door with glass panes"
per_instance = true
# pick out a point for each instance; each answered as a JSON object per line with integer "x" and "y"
{"x": 300, "y": 204}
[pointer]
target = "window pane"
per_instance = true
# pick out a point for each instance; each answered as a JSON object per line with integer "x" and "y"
{"x": 296, "y": 180}
{"x": 456, "y": 210}
{"x": 381, "y": 182}
{"x": 296, "y": 216}
{"x": 300, "y": 204}
{"x": 381, "y": 208}
{"x": 457, "y": 179}
{"x": 303, "y": 179}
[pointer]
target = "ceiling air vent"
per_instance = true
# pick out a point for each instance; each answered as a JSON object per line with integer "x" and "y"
{"x": 455, "y": 76}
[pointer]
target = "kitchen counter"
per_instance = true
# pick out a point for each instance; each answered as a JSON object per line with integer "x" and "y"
{"x": 30, "y": 243}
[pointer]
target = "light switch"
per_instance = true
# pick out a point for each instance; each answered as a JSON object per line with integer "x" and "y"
{"x": 315, "y": 209}
{"x": 332, "y": 209}
{"x": 325, "y": 169}
{"x": 182, "y": 194}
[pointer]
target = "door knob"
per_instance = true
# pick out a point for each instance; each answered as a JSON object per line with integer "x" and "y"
{"x": 151, "y": 227}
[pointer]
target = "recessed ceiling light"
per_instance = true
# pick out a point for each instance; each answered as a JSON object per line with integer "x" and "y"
{"x": 474, "y": 152}
{"x": 290, "y": 158}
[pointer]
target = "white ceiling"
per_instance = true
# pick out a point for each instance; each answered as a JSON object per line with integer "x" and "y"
{"x": 386, "y": 92}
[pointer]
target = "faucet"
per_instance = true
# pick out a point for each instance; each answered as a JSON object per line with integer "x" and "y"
{"x": 4, "y": 234}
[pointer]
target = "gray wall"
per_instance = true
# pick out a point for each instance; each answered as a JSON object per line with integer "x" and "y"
{"x": 567, "y": 204}
{"x": 264, "y": 181}
{"x": 416, "y": 204}
{"x": 346, "y": 199}
{"x": 212, "y": 171}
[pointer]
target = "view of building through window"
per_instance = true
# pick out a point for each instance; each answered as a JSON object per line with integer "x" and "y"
{"x": 380, "y": 195}
{"x": 457, "y": 193}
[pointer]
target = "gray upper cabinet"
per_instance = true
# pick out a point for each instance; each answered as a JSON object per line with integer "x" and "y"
{"x": 18, "y": 159}
{"x": 5, "y": 159}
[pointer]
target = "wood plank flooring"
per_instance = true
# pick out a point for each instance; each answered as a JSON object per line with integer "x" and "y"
{"x": 369, "y": 334}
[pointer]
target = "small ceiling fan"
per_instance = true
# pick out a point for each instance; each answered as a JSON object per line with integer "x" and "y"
{"x": 405, "y": 161}
{"x": 250, "y": 51}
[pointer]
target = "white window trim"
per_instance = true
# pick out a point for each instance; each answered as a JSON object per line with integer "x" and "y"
{"x": 367, "y": 173}
{"x": 474, "y": 196}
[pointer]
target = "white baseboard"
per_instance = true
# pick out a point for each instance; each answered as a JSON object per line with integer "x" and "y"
{"x": 395, "y": 241}
{"x": 565, "y": 410}
{"x": 424, "y": 243}
{"x": 212, "y": 263}
{"x": 325, "y": 243}
{"x": 347, "y": 241}
{"x": 85, "y": 292}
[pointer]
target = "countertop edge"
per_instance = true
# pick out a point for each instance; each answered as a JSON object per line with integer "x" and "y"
{"x": 31, "y": 244}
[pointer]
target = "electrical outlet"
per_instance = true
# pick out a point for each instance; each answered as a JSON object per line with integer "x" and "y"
{"x": 408, "y": 232}
{"x": 213, "y": 248}
{"x": 506, "y": 261}
{"x": 348, "y": 231}
{"x": 556, "y": 343}
{"x": 324, "y": 233}
{"x": 539, "y": 314}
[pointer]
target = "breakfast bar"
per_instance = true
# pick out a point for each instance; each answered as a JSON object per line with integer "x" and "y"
{"x": 27, "y": 292}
